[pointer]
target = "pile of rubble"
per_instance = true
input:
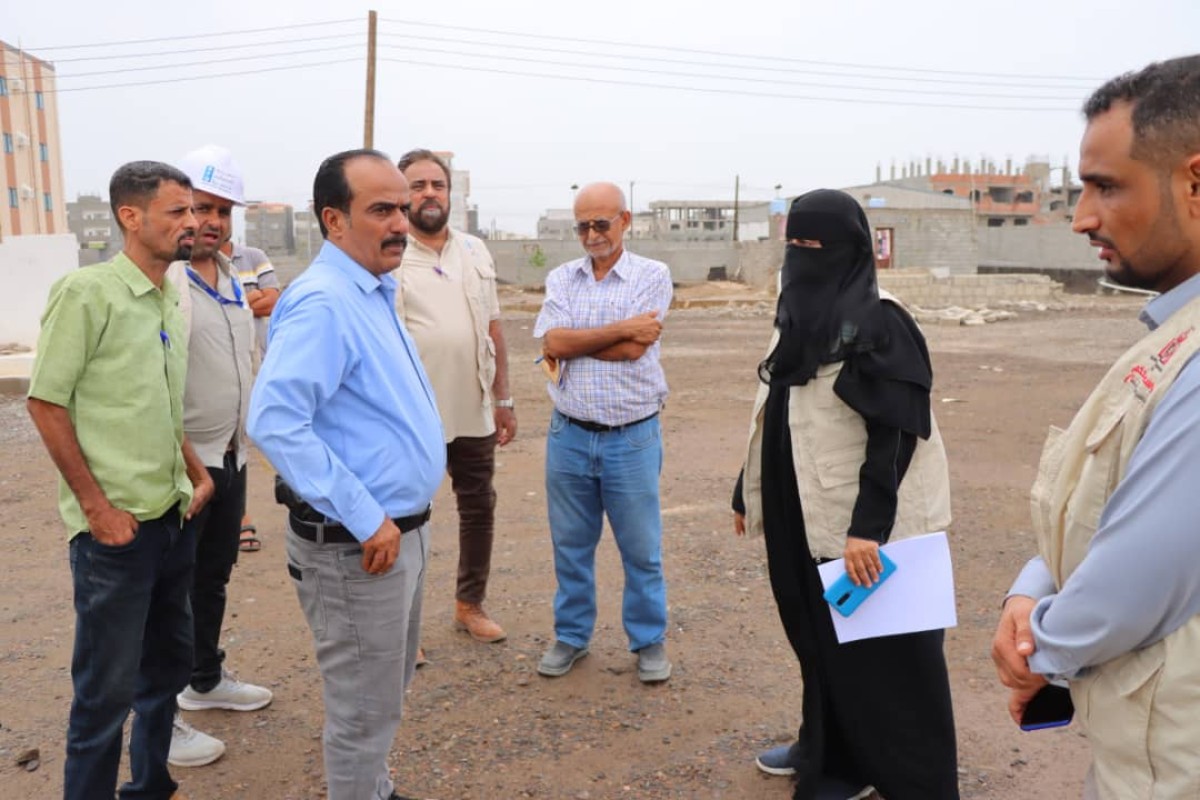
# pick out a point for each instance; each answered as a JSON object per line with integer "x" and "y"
{"x": 12, "y": 349}
{"x": 956, "y": 315}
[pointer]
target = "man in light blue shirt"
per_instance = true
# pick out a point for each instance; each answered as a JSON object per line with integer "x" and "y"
{"x": 1098, "y": 608}
{"x": 344, "y": 412}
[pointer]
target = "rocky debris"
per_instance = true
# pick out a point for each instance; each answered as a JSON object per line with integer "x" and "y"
{"x": 957, "y": 315}
{"x": 12, "y": 349}
{"x": 30, "y": 759}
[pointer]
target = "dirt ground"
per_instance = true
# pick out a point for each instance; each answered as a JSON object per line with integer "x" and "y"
{"x": 480, "y": 723}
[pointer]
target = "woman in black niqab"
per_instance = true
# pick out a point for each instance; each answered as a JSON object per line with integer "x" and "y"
{"x": 877, "y": 711}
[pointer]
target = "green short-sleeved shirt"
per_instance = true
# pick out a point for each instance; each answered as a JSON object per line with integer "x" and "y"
{"x": 113, "y": 352}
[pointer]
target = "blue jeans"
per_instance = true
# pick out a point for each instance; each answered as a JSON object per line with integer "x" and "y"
{"x": 133, "y": 649}
{"x": 588, "y": 475}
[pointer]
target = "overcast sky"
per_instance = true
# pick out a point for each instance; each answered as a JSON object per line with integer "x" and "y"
{"x": 802, "y": 94}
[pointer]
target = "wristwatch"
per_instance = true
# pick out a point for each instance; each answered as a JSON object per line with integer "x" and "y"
{"x": 503, "y": 403}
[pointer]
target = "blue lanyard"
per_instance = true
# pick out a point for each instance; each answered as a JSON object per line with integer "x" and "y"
{"x": 213, "y": 293}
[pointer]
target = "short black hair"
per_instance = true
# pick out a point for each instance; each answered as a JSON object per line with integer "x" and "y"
{"x": 1166, "y": 108}
{"x": 413, "y": 156}
{"x": 330, "y": 187}
{"x": 136, "y": 184}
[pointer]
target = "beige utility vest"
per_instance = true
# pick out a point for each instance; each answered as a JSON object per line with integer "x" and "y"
{"x": 1141, "y": 710}
{"x": 829, "y": 445}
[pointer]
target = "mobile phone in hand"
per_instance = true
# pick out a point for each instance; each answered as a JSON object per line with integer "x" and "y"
{"x": 845, "y": 598}
{"x": 1051, "y": 707}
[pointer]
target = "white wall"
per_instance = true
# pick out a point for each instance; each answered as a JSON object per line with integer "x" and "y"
{"x": 29, "y": 265}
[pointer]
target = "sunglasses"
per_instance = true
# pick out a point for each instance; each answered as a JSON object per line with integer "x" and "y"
{"x": 597, "y": 225}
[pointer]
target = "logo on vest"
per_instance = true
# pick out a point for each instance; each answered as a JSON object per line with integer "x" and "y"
{"x": 1139, "y": 377}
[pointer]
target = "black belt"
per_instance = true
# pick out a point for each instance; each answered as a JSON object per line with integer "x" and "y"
{"x": 596, "y": 427}
{"x": 333, "y": 532}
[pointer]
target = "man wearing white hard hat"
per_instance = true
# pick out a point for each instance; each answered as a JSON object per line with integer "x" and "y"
{"x": 220, "y": 327}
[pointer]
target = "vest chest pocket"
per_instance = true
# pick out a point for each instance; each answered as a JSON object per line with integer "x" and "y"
{"x": 839, "y": 467}
{"x": 1100, "y": 471}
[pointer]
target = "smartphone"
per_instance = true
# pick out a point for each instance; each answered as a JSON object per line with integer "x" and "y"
{"x": 844, "y": 597}
{"x": 1051, "y": 707}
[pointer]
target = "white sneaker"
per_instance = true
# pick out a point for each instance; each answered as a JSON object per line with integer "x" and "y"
{"x": 192, "y": 748}
{"x": 230, "y": 694}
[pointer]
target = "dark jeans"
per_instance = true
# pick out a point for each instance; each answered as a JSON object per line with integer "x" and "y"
{"x": 218, "y": 528}
{"x": 133, "y": 649}
{"x": 471, "y": 462}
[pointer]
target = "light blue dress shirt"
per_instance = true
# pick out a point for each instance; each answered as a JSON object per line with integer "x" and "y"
{"x": 1139, "y": 580}
{"x": 342, "y": 407}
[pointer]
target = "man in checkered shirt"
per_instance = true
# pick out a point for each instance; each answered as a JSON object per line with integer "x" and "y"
{"x": 600, "y": 326}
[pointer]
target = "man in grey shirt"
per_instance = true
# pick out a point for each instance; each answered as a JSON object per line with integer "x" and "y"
{"x": 1112, "y": 604}
{"x": 216, "y": 401}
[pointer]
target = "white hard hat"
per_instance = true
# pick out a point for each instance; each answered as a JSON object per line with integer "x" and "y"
{"x": 212, "y": 169}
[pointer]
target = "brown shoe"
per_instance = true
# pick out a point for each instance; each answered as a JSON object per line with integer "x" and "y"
{"x": 471, "y": 617}
{"x": 421, "y": 659}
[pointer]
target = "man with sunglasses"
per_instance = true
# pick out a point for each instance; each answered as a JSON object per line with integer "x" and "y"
{"x": 220, "y": 344}
{"x": 600, "y": 326}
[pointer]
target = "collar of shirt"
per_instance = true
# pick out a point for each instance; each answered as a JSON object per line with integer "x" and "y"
{"x": 584, "y": 266}
{"x": 416, "y": 244}
{"x": 337, "y": 258}
{"x": 133, "y": 277}
{"x": 1160, "y": 309}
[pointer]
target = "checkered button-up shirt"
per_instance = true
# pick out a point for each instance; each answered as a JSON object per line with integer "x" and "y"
{"x": 607, "y": 392}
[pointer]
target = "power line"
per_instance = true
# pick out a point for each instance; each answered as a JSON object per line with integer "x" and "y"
{"x": 610, "y": 43}
{"x": 215, "y": 35}
{"x": 745, "y": 79}
{"x": 750, "y": 67}
{"x": 209, "y": 61}
{"x": 207, "y": 49}
{"x": 736, "y": 92}
{"x": 236, "y": 74}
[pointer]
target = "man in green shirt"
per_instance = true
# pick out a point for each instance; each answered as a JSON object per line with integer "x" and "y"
{"x": 106, "y": 395}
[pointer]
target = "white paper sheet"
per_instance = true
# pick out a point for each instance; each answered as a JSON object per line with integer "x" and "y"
{"x": 918, "y": 597}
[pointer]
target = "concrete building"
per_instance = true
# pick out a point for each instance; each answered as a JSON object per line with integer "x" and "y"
{"x": 557, "y": 224}
{"x": 1000, "y": 197}
{"x": 919, "y": 227}
{"x": 90, "y": 218}
{"x": 270, "y": 227}
{"x": 31, "y": 163}
{"x": 307, "y": 233}
{"x": 709, "y": 220}
{"x": 460, "y": 193}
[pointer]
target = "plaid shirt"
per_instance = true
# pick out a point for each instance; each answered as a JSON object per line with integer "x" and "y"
{"x": 607, "y": 392}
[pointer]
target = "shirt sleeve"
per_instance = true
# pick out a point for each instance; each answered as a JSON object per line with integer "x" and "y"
{"x": 71, "y": 326}
{"x": 656, "y": 296}
{"x": 889, "y": 451}
{"x": 555, "y": 313}
{"x": 305, "y": 365}
{"x": 1138, "y": 581}
{"x": 264, "y": 271}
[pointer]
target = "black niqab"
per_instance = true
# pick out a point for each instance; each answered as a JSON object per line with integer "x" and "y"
{"x": 829, "y": 310}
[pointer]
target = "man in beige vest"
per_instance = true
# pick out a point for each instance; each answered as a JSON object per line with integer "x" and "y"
{"x": 448, "y": 302}
{"x": 1112, "y": 604}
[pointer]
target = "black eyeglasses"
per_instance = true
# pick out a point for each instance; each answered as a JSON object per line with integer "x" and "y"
{"x": 597, "y": 225}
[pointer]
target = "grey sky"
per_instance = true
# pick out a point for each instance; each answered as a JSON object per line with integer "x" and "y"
{"x": 526, "y": 139}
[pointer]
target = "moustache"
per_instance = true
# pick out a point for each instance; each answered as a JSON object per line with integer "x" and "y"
{"x": 394, "y": 240}
{"x": 1101, "y": 240}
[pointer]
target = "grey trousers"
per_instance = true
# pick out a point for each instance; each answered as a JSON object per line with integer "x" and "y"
{"x": 366, "y": 629}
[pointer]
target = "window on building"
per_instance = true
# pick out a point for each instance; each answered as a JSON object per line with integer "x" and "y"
{"x": 1019, "y": 221}
{"x": 39, "y": 100}
{"x": 995, "y": 222}
{"x": 47, "y": 203}
{"x": 8, "y": 143}
{"x": 44, "y": 151}
{"x": 13, "y": 200}
{"x": 3, "y": 86}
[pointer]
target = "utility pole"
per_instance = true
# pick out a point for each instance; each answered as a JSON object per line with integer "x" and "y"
{"x": 737, "y": 185}
{"x": 369, "y": 119}
{"x": 631, "y": 211}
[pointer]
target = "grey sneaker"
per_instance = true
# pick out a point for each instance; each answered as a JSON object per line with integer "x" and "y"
{"x": 653, "y": 666}
{"x": 230, "y": 694}
{"x": 192, "y": 748}
{"x": 559, "y": 659}
{"x": 776, "y": 761}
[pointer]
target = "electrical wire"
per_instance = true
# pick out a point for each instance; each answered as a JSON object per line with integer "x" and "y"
{"x": 735, "y": 92}
{"x": 209, "y": 48}
{"x": 211, "y": 35}
{"x": 210, "y": 61}
{"x": 236, "y": 74}
{"x": 753, "y": 56}
{"x": 774, "y": 68}
{"x": 745, "y": 79}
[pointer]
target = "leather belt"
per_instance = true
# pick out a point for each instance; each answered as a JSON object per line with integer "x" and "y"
{"x": 336, "y": 533}
{"x": 596, "y": 427}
